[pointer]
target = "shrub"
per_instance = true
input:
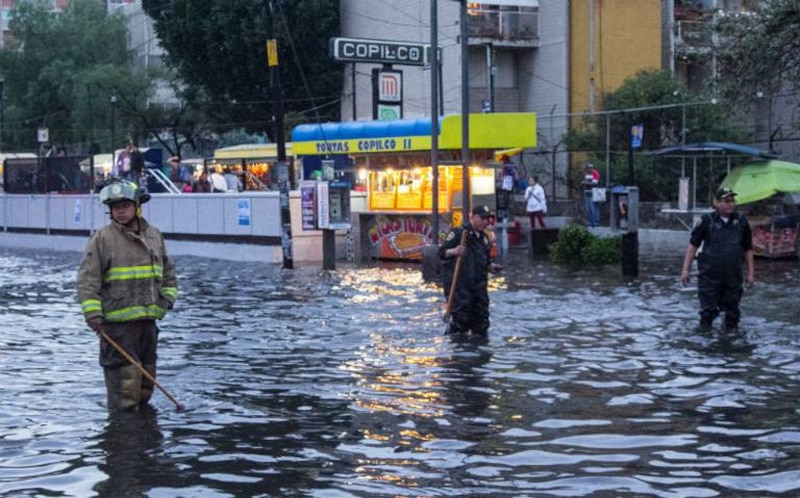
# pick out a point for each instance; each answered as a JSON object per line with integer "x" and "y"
{"x": 575, "y": 245}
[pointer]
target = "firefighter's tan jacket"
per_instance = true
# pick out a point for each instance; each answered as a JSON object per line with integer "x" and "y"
{"x": 125, "y": 276}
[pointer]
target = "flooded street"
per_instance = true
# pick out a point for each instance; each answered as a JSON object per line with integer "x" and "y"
{"x": 341, "y": 384}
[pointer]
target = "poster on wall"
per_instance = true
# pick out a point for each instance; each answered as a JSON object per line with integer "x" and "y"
{"x": 243, "y": 212}
{"x": 323, "y": 210}
{"x": 400, "y": 236}
{"x": 308, "y": 204}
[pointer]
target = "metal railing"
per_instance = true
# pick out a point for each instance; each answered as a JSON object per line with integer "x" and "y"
{"x": 509, "y": 25}
{"x": 163, "y": 180}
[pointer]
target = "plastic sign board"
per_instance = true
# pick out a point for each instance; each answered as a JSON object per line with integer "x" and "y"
{"x": 389, "y": 112}
{"x": 308, "y": 205}
{"x": 637, "y": 134}
{"x": 272, "y": 52}
{"x": 323, "y": 210}
{"x": 43, "y": 135}
{"x": 380, "y": 51}
{"x": 390, "y": 86}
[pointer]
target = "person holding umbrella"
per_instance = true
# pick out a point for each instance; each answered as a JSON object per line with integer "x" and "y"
{"x": 466, "y": 261}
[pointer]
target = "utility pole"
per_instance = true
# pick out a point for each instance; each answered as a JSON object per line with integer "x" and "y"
{"x": 465, "y": 190}
{"x": 435, "y": 117}
{"x": 113, "y": 103}
{"x": 280, "y": 138}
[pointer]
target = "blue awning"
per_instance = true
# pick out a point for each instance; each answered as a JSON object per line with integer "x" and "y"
{"x": 349, "y": 130}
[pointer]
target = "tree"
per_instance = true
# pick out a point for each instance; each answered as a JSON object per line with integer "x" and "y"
{"x": 760, "y": 50}
{"x": 61, "y": 70}
{"x": 218, "y": 47}
{"x": 663, "y": 126}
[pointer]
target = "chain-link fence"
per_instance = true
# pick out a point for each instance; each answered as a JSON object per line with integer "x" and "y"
{"x": 48, "y": 174}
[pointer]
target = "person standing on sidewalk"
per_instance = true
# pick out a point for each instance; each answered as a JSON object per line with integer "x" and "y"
{"x": 126, "y": 282}
{"x": 536, "y": 202}
{"x": 726, "y": 240}
{"x": 591, "y": 180}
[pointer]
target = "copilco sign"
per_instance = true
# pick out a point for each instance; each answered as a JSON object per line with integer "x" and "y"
{"x": 379, "y": 51}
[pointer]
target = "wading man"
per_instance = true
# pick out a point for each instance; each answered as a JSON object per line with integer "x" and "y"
{"x": 727, "y": 240}
{"x": 126, "y": 282}
{"x": 470, "y": 307}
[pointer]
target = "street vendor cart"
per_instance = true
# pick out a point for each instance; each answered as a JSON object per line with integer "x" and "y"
{"x": 390, "y": 162}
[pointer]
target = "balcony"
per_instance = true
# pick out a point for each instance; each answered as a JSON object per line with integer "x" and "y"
{"x": 504, "y": 27}
{"x": 694, "y": 38}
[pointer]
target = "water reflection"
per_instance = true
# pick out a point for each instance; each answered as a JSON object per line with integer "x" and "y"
{"x": 130, "y": 448}
{"x": 333, "y": 384}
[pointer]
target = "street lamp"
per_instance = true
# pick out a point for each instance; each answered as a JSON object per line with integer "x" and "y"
{"x": 113, "y": 102}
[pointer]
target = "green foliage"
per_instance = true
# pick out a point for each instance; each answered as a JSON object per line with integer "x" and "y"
{"x": 760, "y": 50}
{"x": 571, "y": 241}
{"x": 576, "y": 246}
{"x": 656, "y": 177}
{"x": 218, "y": 48}
{"x": 602, "y": 251}
{"x": 60, "y": 71}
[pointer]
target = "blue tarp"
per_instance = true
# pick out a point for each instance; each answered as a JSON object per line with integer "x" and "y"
{"x": 709, "y": 148}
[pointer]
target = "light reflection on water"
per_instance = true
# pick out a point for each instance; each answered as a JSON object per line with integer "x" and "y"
{"x": 309, "y": 383}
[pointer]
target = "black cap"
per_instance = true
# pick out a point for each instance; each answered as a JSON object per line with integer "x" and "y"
{"x": 724, "y": 192}
{"x": 482, "y": 211}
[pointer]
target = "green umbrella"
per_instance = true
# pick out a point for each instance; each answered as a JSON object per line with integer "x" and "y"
{"x": 756, "y": 181}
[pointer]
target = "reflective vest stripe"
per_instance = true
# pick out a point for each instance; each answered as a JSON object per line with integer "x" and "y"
{"x": 91, "y": 306}
{"x": 170, "y": 292}
{"x": 133, "y": 273}
{"x": 153, "y": 311}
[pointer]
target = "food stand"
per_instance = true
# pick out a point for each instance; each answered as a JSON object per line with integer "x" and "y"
{"x": 391, "y": 162}
{"x": 255, "y": 161}
{"x": 769, "y": 192}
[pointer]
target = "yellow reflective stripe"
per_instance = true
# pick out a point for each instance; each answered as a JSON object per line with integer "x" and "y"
{"x": 91, "y": 305}
{"x": 133, "y": 272}
{"x": 153, "y": 311}
{"x": 170, "y": 292}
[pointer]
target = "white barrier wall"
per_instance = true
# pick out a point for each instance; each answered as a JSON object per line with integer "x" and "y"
{"x": 254, "y": 213}
{"x": 236, "y": 225}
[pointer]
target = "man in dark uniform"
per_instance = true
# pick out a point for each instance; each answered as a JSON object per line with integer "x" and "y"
{"x": 470, "y": 310}
{"x": 727, "y": 240}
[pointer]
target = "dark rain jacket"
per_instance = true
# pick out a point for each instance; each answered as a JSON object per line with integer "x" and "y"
{"x": 470, "y": 309}
{"x": 126, "y": 276}
{"x": 719, "y": 265}
{"x": 723, "y": 246}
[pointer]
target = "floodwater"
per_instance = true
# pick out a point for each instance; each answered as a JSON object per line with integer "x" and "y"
{"x": 341, "y": 384}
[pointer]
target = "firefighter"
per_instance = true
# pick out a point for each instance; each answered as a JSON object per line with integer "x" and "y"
{"x": 470, "y": 309}
{"x": 726, "y": 240}
{"x": 126, "y": 282}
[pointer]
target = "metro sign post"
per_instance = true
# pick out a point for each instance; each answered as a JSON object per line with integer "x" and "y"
{"x": 387, "y": 94}
{"x": 387, "y": 84}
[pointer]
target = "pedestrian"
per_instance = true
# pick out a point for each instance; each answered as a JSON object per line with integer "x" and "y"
{"x": 536, "y": 202}
{"x": 218, "y": 183}
{"x": 591, "y": 179}
{"x": 126, "y": 282}
{"x": 470, "y": 306}
{"x": 202, "y": 186}
{"x": 726, "y": 240}
{"x": 232, "y": 182}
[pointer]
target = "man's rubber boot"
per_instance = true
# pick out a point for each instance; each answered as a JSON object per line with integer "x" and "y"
{"x": 123, "y": 388}
{"x": 147, "y": 385}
